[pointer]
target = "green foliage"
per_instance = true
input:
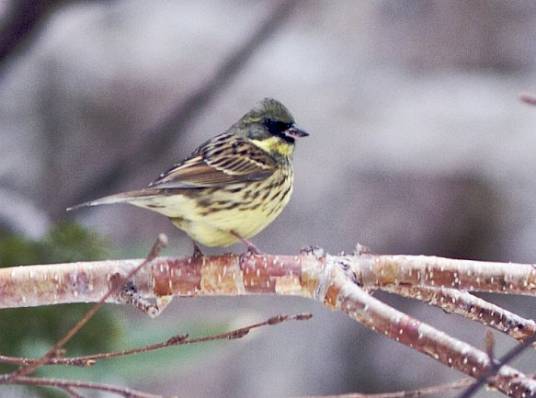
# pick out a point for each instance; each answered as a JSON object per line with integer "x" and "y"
{"x": 31, "y": 331}
{"x": 65, "y": 243}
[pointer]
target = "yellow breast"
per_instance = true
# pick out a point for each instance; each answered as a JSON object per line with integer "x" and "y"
{"x": 246, "y": 213}
{"x": 211, "y": 215}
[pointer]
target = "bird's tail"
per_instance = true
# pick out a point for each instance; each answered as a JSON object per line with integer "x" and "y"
{"x": 124, "y": 197}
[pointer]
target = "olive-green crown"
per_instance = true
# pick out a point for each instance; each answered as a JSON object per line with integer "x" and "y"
{"x": 268, "y": 108}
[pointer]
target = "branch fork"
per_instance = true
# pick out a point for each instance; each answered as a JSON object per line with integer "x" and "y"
{"x": 340, "y": 282}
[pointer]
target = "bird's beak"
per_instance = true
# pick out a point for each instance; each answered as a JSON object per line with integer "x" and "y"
{"x": 296, "y": 132}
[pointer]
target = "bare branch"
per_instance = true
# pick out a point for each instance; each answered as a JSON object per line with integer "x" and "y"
{"x": 420, "y": 392}
{"x": 260, "y": 274}
{"x": 72, "y": 393}
{"x": 340, "y": 282}
{"x": 25, "y": 370}
{"x": 356, "y": 303}
{"x": 496, "y": 367}
{"x": 471, "y": 307}
{"x": 24, "y": 19}
{"x": 89, "y": 360}
{"x": 528, "y": 98}
{"x": 490, "y": 345}
{"x": 64, "y": 383}
{"x": 429, "y": 271}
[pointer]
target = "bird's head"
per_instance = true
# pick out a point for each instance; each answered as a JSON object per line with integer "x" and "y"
{"x": 271, "y": 127}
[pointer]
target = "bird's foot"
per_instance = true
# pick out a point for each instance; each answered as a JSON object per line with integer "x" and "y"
{"x": 251, "y": 248}
{"x": 362, "y": 250}
{"x": 313, "y": 250}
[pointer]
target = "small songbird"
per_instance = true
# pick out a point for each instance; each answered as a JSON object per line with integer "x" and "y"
{"x": 232, "y": 186}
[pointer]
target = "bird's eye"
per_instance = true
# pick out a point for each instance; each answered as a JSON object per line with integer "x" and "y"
{"x": 276, "y": 127}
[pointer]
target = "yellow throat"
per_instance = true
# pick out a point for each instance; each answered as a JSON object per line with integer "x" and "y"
{"x": 275, "y": 145}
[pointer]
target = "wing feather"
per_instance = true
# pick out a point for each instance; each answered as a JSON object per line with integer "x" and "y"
{"x": 225, "y": 159}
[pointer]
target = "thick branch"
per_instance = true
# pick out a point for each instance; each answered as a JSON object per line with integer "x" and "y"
{"x": 265, "y": 274}
{"x": 473, "y": 308}
{"x": 160, "y": 242}
{"x": 346, "y": 296}
{"x": 429, "y": 271}
{"x": 194, "y": 276}
{"x": 498, "y": 365}
{"x": 337, "y": 281}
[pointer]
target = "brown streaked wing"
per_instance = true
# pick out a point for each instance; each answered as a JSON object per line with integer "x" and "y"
{"x": 226, "y": 159}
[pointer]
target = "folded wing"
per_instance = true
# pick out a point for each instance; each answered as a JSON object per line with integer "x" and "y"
{"x": 226, "y": 159}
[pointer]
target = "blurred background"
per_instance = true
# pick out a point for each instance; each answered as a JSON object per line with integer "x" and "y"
{"x": 418, "y": 145}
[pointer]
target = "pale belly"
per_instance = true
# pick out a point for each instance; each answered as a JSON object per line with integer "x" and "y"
{"x": 223, "y": 211}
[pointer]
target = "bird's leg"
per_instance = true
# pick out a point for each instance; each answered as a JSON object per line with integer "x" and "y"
{"x": 197, "y": 254}
{"x": 361, "y": 250}
{"x": 252, "y": 249}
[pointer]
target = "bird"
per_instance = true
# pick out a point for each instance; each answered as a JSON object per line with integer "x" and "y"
{"x": 232, "y": 186}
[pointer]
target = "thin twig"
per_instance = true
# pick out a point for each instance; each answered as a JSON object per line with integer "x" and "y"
{"x": 528, "y": 98}
{"x": 160, "y": 242}
{"x": 340, "y": 282}
{"x": 72, "y": 393}
{"x": 490, "y": 345}
{"x": 63, "y": 383}
{"x": 23, "y": 21}
{"x": 419, "y": 392}
{"x": 89, "y": 360}
{"x": 495, "y": 366}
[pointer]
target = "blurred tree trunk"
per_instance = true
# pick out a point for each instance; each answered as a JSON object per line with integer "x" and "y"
{"x": 20, "y": 23}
